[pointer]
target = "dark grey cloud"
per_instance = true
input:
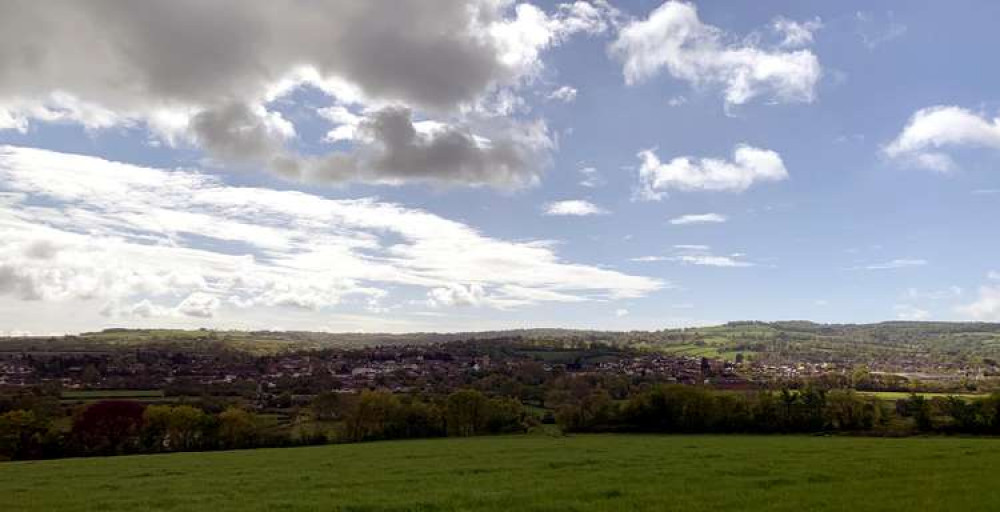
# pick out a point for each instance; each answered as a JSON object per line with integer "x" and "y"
{"x": 199, "y": 72}
{"x": 425, "y": 52}
{"x": 15, "y": 283}
{"x": 396, "y": 151}
{"x": 235, "y": 132}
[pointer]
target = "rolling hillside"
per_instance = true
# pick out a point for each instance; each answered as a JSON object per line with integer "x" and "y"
{"x": 531, "y": 473}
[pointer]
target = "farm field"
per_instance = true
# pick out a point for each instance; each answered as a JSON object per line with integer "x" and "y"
{"x": 112, "y": 393}
{"x": 902, "y": 395}
{"x": 532, "y": 472}
{"x": 146, "y": 396}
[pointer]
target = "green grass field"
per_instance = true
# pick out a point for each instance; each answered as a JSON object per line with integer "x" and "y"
{"x": 535, "y": 473}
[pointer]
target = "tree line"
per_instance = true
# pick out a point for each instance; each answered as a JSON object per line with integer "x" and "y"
{"x": 33, "y": 428}
{"x": 118, "y": 427}
{"x": 694, "y": 409}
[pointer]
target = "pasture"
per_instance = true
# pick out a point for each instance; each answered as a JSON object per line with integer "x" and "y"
{"x": 532, "y": 473}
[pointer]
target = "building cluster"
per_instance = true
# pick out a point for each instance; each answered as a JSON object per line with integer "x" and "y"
{"x": 432, "y": 367}
{"x": 407, "y": 368}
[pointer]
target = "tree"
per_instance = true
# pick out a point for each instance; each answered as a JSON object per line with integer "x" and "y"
{"x": 919, "y": 409}
{"x": 421, "y": 419}
{"x": 187, "y": 425}
{"x": 506, "y": 415}
{"x": 238, "y": 428}
{"x": 109, "y": 427}
{"x": 172, "y": 428}
{"x": 594, "y": 412}
{"x": 467, "y": 413}
{"x": 327, "y": 406}
{"x": 848, "y": 411}
{"x": 966, "y": 417}
{"x": 374, "y": 416}
{"x": 156, "y": 423}
{"x": 21, "y": 434}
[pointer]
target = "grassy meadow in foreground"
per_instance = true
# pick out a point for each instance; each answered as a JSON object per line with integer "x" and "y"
{"x": 586, "y": 472}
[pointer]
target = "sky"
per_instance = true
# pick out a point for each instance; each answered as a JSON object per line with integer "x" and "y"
{"x": 454, "y": 165}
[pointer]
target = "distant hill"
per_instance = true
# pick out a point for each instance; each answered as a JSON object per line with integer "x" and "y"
{"x": 803, "y": 340}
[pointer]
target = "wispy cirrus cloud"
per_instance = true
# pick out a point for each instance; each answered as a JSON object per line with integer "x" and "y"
{"x": 877, "y": 30}
{"x": 592, "y": 178}
{"x": 699, "y": 218}
{"x": 574, "y": 208}
{"x": 150, "y": 242}
{"x": 700, "y": 255}
{"x": 894, "y": 264}
{"x": 565, "y": 94}
{"x": 910, "y": 312}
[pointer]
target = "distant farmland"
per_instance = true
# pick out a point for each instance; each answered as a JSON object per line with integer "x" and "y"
{"x": 535, "y": 473}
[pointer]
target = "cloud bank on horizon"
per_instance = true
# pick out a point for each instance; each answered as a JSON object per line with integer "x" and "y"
{"x": 462, "y": 164}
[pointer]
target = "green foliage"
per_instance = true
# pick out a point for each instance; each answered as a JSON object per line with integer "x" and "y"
{"x": 377, "y": 415}
{"x": 174, "y": 428}
{"x": 467, "y": 413}
{"x": 22, "y": 434}
{"x": 693, "y": 409}
{"x": 238, "y": 428}
{"x": 328, "y": 406}
{"x": 382, "y": 415}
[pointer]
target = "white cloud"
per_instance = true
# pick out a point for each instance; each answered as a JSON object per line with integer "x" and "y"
{"x": 574, "y": 207}
{"x": 986, "y": 307}
{"x": 675, "y": 39}
{"x": 698, "y": 218}
{"x": 649, "y": 259}
{"x": 456, "y": 295}
{"x": 795, "y": 34}
{"x": 932, "y": 130}
{"x": 621, "y": 312}
{"x": 874, "y": 32}
{"x": 346, "y": 123}
{"x": 710, "y": 260}
{"x": 79, "y": 228}
{"x": 894, "y": 264}
{"x": 677, "y": 101}
{"x": 748, "y": 166}
{"x": 520, "y": 39}
{"x": 910, "y": 312}
{"x": 591, "y": 178}
{"x": 944, "y": 293}
{"x": 701, "y": 255}
{"x": 200, "y": 305}
{"x": 196, "y": 305}
{"x": 565, "y": 94}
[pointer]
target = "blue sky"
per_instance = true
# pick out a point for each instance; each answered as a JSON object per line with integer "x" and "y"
{"x": 464, "y": 165}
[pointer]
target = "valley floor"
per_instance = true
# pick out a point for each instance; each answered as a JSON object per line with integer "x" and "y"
{"x": 532, "y": 473}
